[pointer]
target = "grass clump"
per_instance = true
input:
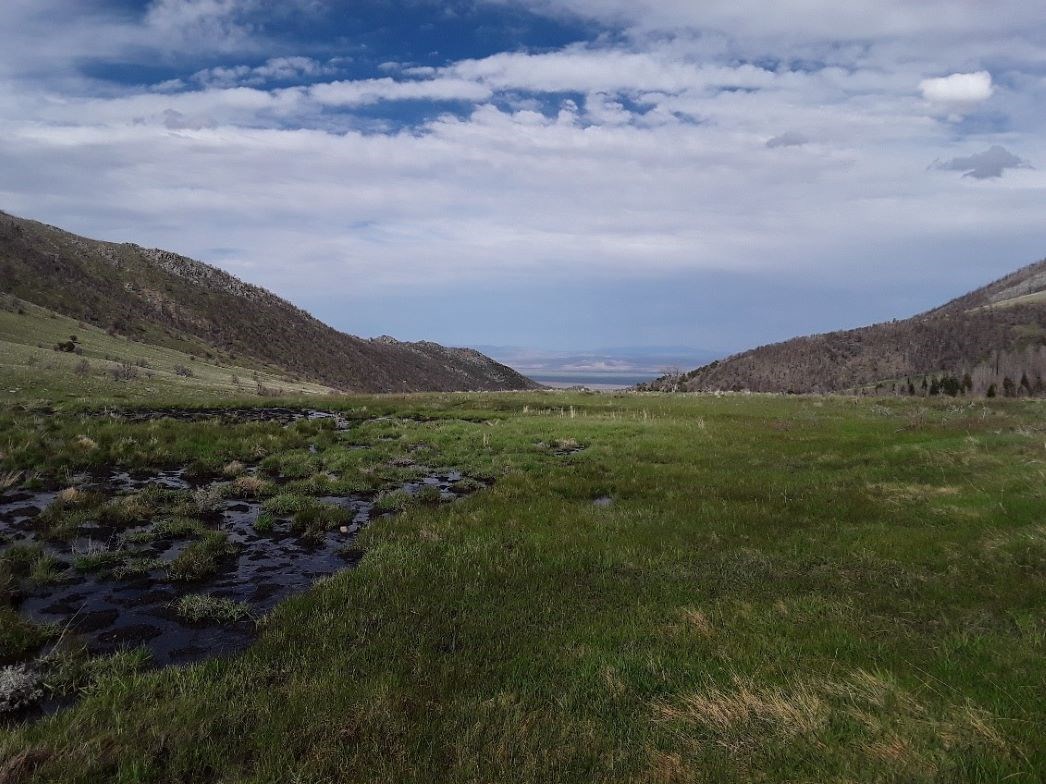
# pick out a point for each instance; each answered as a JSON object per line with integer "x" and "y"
{"x": 19, "y": 637}
{"x": 317, "y": 519}
{"x": 284, "y": 504}
{"x": 249, "y": 487}
{"x": 265, "y": 523}
{"x": 467, "y": 485}
{"x": 128, "y": 510}
{"x": 394, "y": 501}
{"x": 201, "y": 558}
{"x": 429, "y": 495}
{"x": 138, "y": 566}
{"x": 177, "y": 528}
{"x": 198, "y": 607}
{"x": 210, "y": 500}
{"x": 97, "y": 560}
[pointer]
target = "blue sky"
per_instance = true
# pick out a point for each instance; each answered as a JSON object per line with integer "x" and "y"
{"x": 558, "y": 174}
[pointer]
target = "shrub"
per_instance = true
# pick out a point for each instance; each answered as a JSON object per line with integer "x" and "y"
{"x": 183, "y": 371}
{"x": 19, "y": 688}
{"x": 124, "y": 371}
{"x": 209, "y": 499}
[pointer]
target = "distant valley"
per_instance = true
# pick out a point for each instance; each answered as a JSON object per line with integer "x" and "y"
{"x": 603, "y": 368}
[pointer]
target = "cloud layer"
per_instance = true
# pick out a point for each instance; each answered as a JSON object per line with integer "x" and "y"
{"x": 688, "y": 138}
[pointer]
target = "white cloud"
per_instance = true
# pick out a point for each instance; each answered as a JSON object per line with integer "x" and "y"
{"x": 958, "y": 92}
{"x": 661, "y": 165}
{"x": 275, "y": 69}
{"x": 368, "y": 91}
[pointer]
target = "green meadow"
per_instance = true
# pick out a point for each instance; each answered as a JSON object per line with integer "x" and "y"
{"x": 654, "y": 588}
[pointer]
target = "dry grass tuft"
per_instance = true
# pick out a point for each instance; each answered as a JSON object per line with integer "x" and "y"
{"x": 746, "y": 714}
{"x": 86, "y": 442}
{"x": 70, "y": 495}
{"x": 233, "y": 469}
{"x": 248, "y": 486}
{"x": 902, "y": 492}
{"x": 698, "y": 622}
{"x": 9, "y": 480}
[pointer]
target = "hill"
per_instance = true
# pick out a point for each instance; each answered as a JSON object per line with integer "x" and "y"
{"x": 47, "y": 356}
{"x": 162, "y": 299}
{"x": 991, "y": 341}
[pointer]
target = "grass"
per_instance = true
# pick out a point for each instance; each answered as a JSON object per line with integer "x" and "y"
{"x": 113, "y": 367}
{"x": 784, "y": 589}
{"x": 200, "y": 558}
{"x": 197, "y": 607}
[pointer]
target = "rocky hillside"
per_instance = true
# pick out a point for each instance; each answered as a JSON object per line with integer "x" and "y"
{"x": 164, "y": 299}
{"x": 989, "y": 342}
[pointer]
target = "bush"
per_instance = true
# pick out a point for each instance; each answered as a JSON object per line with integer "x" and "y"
{"x": 19, "y": 688}
{"x": 211, "y": 499}
{"x": 125, "y": 371}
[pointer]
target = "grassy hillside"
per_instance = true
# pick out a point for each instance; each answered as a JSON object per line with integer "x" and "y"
{"x": 995, "y": 336}
{"x": 101, "y": 366}
{"x": 168, "y": 300}
{"x": 769, "y": 589}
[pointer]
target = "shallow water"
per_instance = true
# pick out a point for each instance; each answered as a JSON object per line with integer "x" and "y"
{"x": 109, "y": 614}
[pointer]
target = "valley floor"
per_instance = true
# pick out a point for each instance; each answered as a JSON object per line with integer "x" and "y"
{"x": 654, "y": 588}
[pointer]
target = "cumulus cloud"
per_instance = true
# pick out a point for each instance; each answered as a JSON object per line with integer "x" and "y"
{"x": 959, "y": 92}
{"x": 984, "y": 165}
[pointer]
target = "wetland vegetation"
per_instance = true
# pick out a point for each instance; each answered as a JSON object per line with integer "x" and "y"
{"x": 636, "y": 588}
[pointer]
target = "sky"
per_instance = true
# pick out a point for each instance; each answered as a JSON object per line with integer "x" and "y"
{"x": 553, "y": 174}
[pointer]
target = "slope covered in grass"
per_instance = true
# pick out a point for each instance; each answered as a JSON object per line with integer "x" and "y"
{"x": 794, "y": 590}
{"x": 158, "y": 297}
{"x": 35, "y": 363}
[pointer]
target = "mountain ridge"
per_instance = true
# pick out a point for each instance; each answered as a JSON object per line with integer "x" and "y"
{"x": 993, "y": 339}
{"x": 161, "y": 297}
